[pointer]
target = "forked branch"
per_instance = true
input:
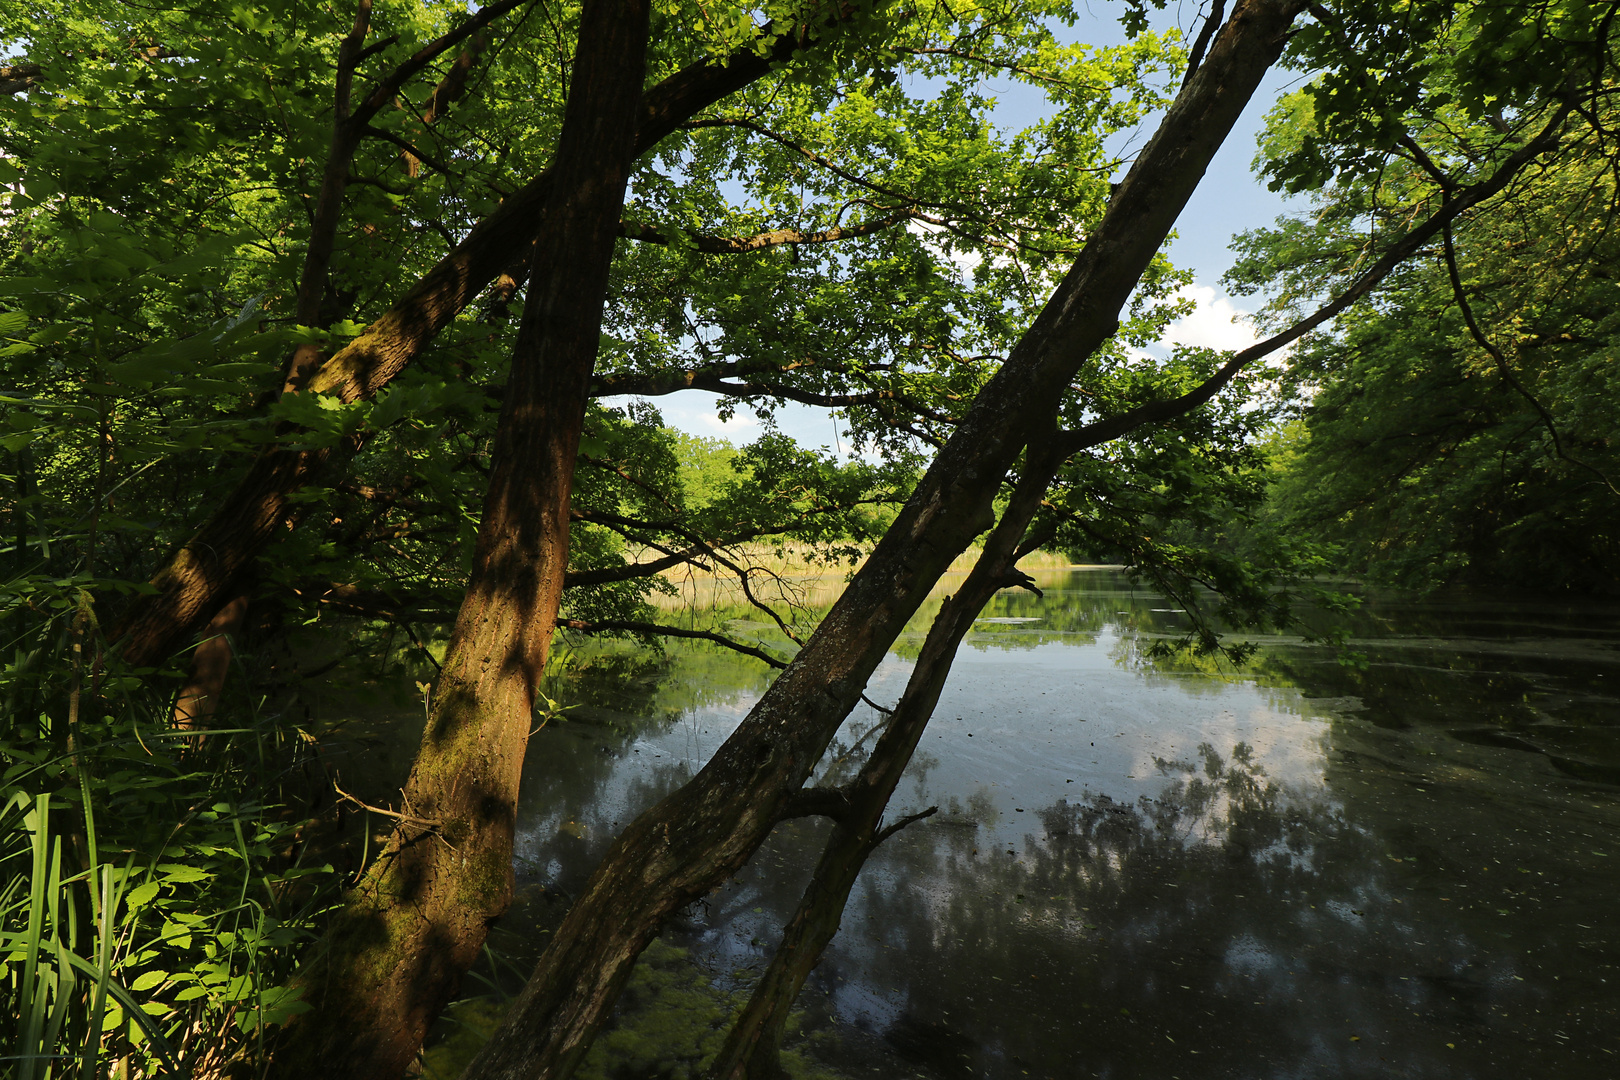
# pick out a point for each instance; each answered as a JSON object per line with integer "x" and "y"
{"x": 1463, "y": 199}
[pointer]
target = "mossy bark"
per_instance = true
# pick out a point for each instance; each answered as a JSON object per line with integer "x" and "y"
{"x": 397, "y": 950}
{"x": 695, "y": 839}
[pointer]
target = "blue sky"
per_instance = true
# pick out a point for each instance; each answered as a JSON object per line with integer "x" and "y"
{"x": 1229, "y": 200}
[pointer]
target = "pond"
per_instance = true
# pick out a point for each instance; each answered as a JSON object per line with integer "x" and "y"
{"x": 1400, "y": 862}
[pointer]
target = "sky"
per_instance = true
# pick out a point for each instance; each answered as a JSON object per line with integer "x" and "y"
{"x": 1229, "y": 200}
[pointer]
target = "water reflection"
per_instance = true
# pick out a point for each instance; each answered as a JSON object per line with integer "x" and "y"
{"x": 1404, "y": 868}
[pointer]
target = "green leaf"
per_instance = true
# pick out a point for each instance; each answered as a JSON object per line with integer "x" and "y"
{"x": 141, "y": 895}
{"x": 148, "y": 979}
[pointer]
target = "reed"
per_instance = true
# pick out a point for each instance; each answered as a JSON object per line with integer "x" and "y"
{"x": 797, "y": 576}
{"x": 148, "y": 913}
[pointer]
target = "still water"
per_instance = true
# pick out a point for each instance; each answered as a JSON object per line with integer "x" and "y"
{"x": 1402, "y": 865}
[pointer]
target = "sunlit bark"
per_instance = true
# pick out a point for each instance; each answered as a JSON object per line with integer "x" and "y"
{"x": 699, "y": 836}
{"x": 405, "y": 936}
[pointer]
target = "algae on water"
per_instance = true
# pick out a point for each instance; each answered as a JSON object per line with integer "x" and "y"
{"x": 670, "y": 1024}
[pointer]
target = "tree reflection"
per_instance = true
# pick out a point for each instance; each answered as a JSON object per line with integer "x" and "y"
{"x": 1226, "y": 918}
{"x": 1377, "y": 923}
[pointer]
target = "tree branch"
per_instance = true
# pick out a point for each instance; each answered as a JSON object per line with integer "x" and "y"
{"x": 411, "y": 151}
{"x": 736, "y": 245}
{"x": 384, "y": 91}
{"x": 805, "y": 152}
{"x": 909, "y": 819}
{"x": 669, "y": 382}
{"x": 189, "y": 586}
{"x": 607, "y": 626}
{"x": 1201, "y": 46}
{"x": 630, "y": 571}
{"x": 328, "y": 210}
{"x": 1512, "y": 379}
{"x": 988, "y": 61}
{"x": 501, "y": 244}
{"x": 20, "y": 78}
{"x": 712, "y": 380}
{"x": 1102, "y": 431}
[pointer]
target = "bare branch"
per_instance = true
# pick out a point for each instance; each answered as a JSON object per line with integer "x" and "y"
{"x": 991, "y": 62}
{"x": 736, "y": 245}
{"x": 609, "y": 626}
{"x": 909, "y": 819}
{"x": 631, "y": 571}
{"x": 712, "y": 379}
{"x": 669, "y": 382}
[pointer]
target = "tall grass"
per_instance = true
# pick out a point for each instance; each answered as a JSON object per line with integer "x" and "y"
{"x": 152, "y": 895}
{"x": 795, "y": 575}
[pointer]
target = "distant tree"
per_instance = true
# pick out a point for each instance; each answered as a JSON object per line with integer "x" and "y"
{"x": 1457, "y": 425}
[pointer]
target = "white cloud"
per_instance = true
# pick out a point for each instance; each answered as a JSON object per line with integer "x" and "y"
{"x": 1216, "y": 324}
{"x": 740, "y": 423}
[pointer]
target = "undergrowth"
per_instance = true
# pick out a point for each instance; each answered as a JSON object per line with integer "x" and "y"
{"x": 153, "y": 885}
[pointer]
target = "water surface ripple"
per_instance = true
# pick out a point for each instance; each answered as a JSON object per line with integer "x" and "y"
{"x": 1406, "y": 866}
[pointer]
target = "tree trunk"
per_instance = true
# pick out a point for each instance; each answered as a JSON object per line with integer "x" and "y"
{"x": 695, "y": 839}
{"x": 397, "y": 951}
{"x": 751, "y": 1048}
{"x": 313, "y": 282}
{"x": 199, "y": 576}
{"x": 211, "y": 660}
{"x": 198, "y": 700}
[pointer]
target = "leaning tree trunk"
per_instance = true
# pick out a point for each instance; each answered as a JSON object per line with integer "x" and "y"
{"x": 200, "y": 576}
{"x": 397, "y": 950}
{"x": 751, "y": 1049}
{"x": 198, "y": 700}
{"x": 211, "y": 660}
{"x": 695, "y": 839}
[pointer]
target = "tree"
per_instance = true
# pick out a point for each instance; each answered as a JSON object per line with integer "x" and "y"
{"x": 1455, "y": 428}
{"x": 697, "y": 836}
{"x": 98, "y": 323}
{"x": 374, "y": 996}
{"x": 1012, "y": 389}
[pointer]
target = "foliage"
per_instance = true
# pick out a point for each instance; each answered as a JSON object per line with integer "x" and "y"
{"x": 151, "y": 896}
{"x": 159, "y": 219}
{"x": 184, "y": 218}
{"x": 1431, "y": 455}
{"x": 162, "y": 171}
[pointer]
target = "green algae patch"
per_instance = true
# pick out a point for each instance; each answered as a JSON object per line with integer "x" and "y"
{"x": 670, "y": 1024}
